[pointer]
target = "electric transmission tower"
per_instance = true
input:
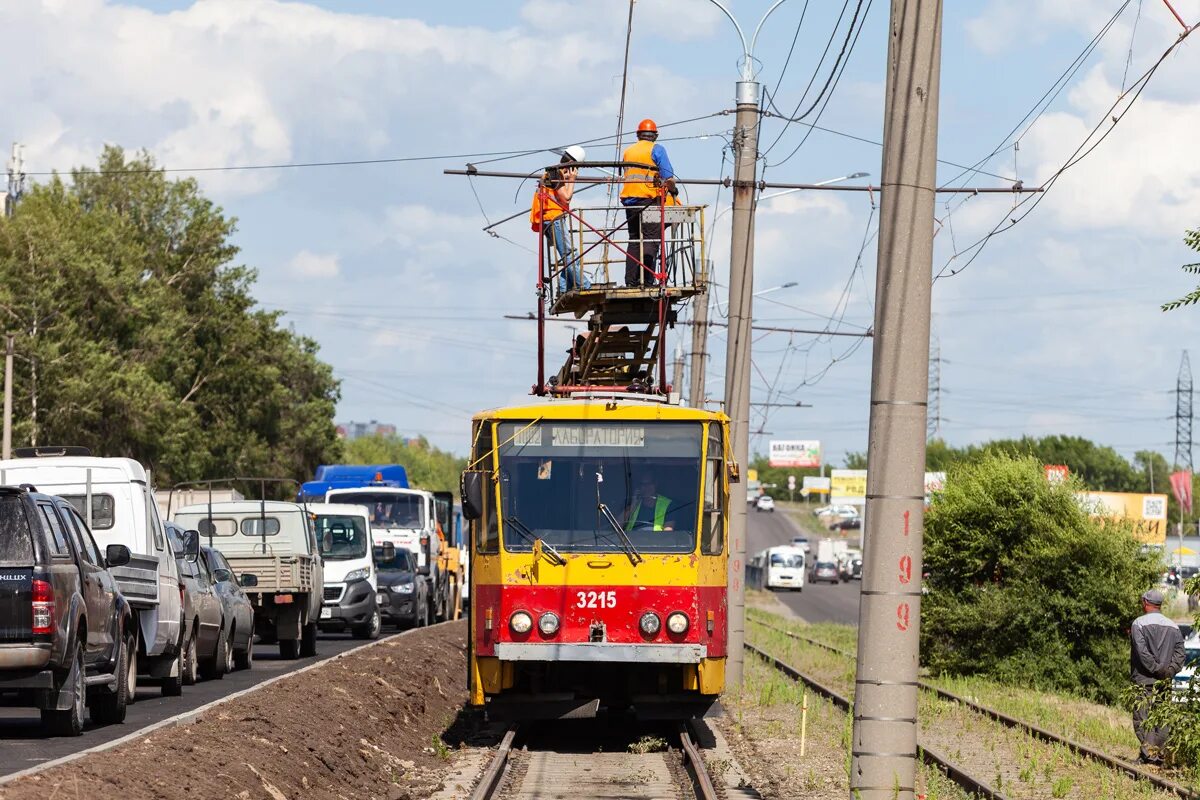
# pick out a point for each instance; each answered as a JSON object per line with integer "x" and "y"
{"x": 16, "y": 179}
{"x": 1183, "y": 415}
{"x": 933, "y": 423}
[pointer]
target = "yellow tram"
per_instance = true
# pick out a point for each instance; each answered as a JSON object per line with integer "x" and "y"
{"x": 598, "y": 558}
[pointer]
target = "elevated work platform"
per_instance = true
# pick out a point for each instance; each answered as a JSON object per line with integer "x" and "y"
{"x": 624, "y": 347}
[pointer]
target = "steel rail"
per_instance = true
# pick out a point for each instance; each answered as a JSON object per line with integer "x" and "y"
{"x": 1036, "y": 731}
{"x": 493, "y": 774}
{"x": 702, "y": 783}
{"x": 957, "y": 774}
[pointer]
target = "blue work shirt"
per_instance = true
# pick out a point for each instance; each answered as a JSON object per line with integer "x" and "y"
{"x": 665, "y": 172}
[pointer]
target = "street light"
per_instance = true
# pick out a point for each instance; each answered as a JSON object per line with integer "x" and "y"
{"x": 787, "y": 285}
{"x": 851, "y": 177}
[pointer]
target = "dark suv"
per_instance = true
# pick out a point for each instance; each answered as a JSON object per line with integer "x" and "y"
{"x": 67, "y": 638}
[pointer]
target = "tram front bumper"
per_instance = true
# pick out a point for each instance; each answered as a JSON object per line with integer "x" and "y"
{"x": 608, "y": 652}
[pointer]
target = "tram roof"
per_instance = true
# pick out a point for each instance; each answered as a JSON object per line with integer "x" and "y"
{"x": 605, "y": 408}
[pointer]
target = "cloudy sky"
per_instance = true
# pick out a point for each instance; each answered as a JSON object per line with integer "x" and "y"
{"x": 1054, "y": 327}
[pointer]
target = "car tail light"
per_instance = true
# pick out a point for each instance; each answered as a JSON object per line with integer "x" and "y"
{"x": 43, "y": 607}
{"x": 182, "y": 590}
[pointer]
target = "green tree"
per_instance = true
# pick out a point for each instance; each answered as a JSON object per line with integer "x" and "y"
{"x": 1024, "y": 586}
{"x": 137, "y": 334}
{"x": 427, "y": 466}
{"x": 1192, "y": 240}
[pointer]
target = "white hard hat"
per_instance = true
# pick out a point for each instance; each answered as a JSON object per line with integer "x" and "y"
{"x": 576, "y": 153}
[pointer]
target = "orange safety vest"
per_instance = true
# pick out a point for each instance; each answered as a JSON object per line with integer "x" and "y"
{"x": 545, "y": 207}
{"x": 640, "y": 182}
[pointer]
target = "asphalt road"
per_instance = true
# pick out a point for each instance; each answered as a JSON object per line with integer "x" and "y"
{"x": 22, "y": 744}
{"x": 822, "y": 602}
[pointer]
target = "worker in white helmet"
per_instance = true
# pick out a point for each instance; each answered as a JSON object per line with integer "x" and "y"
{"x": 548, "y": 215}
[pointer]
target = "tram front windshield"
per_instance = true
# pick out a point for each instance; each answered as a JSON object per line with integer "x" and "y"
{"x": 558, "y": 480}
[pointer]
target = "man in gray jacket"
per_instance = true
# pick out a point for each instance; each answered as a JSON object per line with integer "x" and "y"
{"x": 1156, "y": 654}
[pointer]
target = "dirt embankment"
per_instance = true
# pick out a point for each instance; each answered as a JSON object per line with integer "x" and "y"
{"x": 364, "y": 726}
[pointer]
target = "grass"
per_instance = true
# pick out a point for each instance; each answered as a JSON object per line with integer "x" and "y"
{"x": 1011, "y": 760}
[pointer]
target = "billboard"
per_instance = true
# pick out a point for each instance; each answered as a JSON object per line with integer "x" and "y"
{"x": 1148, "y": 512}
{"x": 796, "y": 453}
{"x": 814, "y": 485}
{"x": 848, "y": 486}
{"x": 1056, "y": 473}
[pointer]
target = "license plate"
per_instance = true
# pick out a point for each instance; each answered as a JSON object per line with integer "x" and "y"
{"x": 381, "y": 599}
{"x": 326, "y": 613}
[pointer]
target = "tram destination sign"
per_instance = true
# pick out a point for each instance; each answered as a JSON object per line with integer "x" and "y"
{"x": 599, "y": 436}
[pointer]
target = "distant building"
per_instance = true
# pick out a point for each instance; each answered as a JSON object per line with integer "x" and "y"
{"x": 356, "y": 430}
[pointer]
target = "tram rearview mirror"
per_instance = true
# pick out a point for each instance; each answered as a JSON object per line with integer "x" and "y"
{"x": 471, "y": 489}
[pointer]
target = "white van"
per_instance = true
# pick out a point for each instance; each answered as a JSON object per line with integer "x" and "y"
{"x": 785, "y": 568}
{"x": 351, "y": 579}
{"x": 114, "y": 497}
{"x": 406, "y": 518}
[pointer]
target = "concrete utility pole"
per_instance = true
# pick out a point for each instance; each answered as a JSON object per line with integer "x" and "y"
{"x": 737, "y": 354}
{"x": 884, "y": 739}
{"x": 699, "y": 355}
{"x": 677, "y": 374}
{"x": 6, "y": 447}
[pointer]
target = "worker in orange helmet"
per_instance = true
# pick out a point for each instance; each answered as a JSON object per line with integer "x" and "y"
{"x": 642, "y": 187}
{"x": 548, "y": 215}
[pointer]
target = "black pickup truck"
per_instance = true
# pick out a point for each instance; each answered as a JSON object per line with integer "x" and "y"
{"x": 67, "y": 636}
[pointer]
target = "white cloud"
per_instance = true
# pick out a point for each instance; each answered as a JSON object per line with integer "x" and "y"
{"x": 313, "y": 265}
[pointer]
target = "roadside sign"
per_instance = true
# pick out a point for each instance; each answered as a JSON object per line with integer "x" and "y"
{"x": 795, "y": 453}
{"x": 1147, "y": 511}
{"x": 791, "y": 483}
{"x": 1057, "y": 473}
{"x": 848, "y": 486}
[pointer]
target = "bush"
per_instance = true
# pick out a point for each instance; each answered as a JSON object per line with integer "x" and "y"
{"x": 1024, "y": 586}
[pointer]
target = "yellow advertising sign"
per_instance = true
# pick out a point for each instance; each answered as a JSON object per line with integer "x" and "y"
{"x": 1148, "y": 512}
{"x": 848, "y": 485}
{"x": 751, "y": 474}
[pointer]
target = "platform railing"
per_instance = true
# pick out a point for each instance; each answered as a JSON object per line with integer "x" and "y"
{"x": 603, "y": 252}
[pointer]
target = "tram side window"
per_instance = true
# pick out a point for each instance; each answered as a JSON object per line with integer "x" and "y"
{"x": 487, "y": 527}
{"x": 712, "y": 540}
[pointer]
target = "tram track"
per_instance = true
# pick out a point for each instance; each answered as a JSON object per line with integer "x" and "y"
{"x": 547, "y": 773}
{"x": 1118, "y": 765}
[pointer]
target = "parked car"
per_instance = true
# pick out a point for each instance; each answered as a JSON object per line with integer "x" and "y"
{"x": 839, "y": 511}
{"x": 203, "y": 616}
{"x": 802, "y": 543}
{"x": 403, "y": 591}
{"x": 68, "y": 638}
{"x": 825, "y": 571}
{"x": 115, "y": 498}
{"x": 856, "y": 569}
{"x": 765, "y": 503}
{"x": 847, "y": 524}
{"x": 238, "y": 610}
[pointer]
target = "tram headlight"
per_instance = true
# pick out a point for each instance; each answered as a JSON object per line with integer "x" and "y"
{"x": 520, "y": 622}
{"x": 548, "y": 623}
{"x": 678, "y": 622}
{"x": 650, "y": 623}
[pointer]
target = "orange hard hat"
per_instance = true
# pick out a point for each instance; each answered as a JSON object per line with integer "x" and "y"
{"x": 647, "y": 126}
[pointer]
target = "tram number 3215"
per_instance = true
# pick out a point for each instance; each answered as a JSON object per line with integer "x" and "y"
{"x": 596, "y": 599}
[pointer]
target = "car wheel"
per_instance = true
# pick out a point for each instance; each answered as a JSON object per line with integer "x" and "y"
{"x": 308, "y": 640}
{"x": 70, "y": 721}
{"x": 190, "y": 665}
{"x": 226, "y": 663}
{"x": 289, "y": 649}
{"x": 245, "y": 659}
{"x": 214, "y": 668}
{"x": 109, "y": 707}
{"x": 371, "y": 630}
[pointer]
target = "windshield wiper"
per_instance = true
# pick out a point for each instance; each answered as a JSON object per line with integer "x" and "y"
{"x": 535, "y": 540}
{"x": 626, "y": 543}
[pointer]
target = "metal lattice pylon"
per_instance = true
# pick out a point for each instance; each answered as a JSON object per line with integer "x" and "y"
{"x": 1183, "y": 415}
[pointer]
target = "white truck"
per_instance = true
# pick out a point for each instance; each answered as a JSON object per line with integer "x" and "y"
{"x": 276, "y": 542}
{"x": 115, "y": 498}
{"x": 407, "y": 519}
